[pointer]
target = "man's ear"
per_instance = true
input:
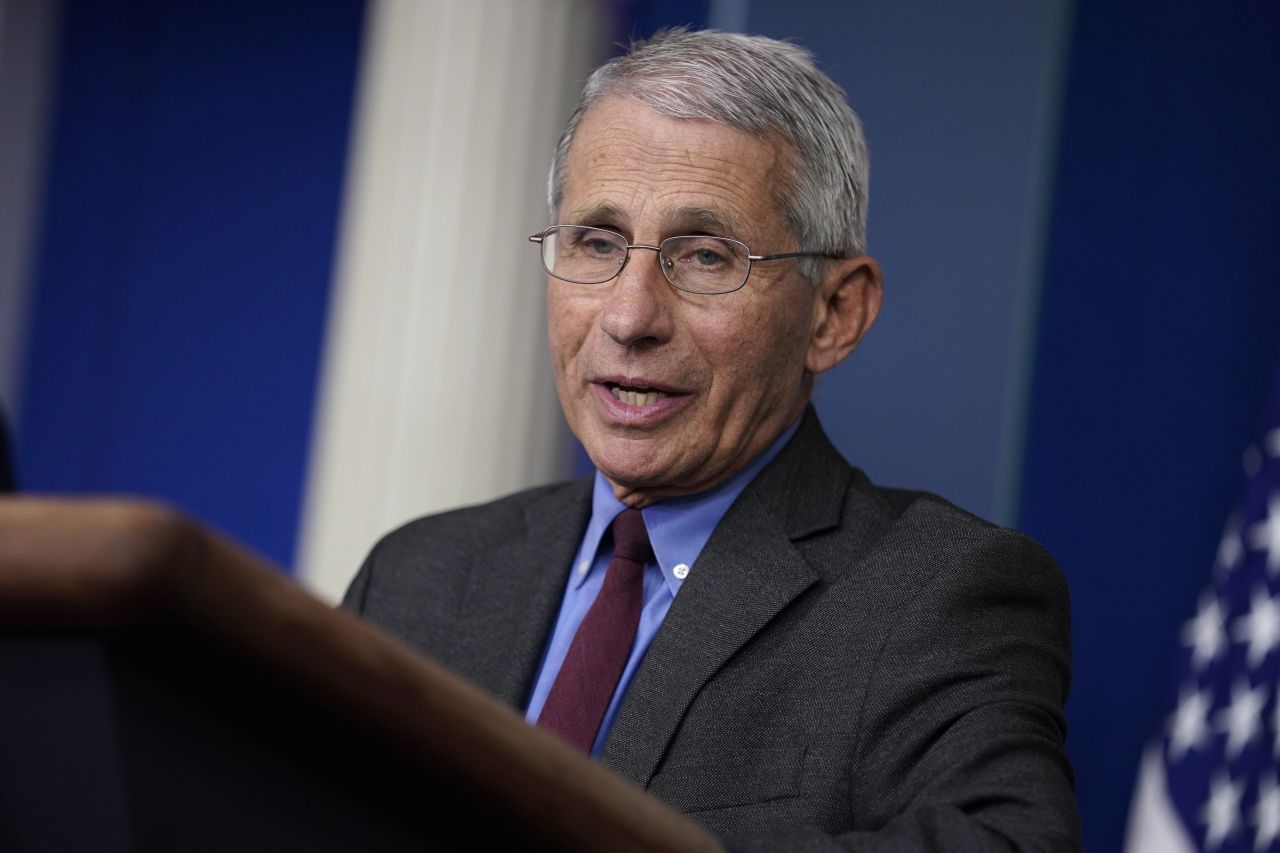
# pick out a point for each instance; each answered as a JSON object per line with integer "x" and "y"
{"x": 846, "y": 304}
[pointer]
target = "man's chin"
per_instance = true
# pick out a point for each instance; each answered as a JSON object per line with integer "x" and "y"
{"x": 640, "y": 486}
{"x": 630, "y": 477}
{"x": 636, "y": 460}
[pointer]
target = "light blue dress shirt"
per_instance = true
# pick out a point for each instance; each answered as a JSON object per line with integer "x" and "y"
{"x": 678, "y": 530}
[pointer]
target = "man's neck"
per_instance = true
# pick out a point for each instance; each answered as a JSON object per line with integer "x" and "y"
{"x": 641, "y": 497}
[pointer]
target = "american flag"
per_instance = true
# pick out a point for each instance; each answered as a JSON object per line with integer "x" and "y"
{"x": 1211, "y": 781}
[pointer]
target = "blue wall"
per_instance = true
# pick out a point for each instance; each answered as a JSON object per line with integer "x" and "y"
{"x": 957, "y": 103}
{"x": 183, "y": 273}
{"x": 1159, "y": 331}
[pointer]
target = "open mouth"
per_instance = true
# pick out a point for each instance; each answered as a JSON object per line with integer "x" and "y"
{"x": 634, "y": 395}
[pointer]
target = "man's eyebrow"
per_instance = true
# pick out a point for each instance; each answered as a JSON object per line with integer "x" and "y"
{"x": 705, "y": 219}
{"x": 595, "y": 215}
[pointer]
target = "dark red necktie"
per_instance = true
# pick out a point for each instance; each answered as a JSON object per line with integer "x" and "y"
{"x": 582, "y": 690}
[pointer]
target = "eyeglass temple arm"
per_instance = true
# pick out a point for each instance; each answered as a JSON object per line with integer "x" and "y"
{"x": 782, "y": 255}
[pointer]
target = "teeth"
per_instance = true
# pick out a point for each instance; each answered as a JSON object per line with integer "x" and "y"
{"x": 637, "y": 398}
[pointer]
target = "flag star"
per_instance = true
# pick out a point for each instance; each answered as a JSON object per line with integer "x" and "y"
{"x": 1242, "y": 719}
{"x": 1265, "y": 535}
{"x": 1265, "y": 816}
{"x": 1260, "y": 627}
{"x": 1230, "y": 548}
{"x": 1222, "y": 812}
{"x": 1206, "y": 633}
{"x": 1189, "y": 725}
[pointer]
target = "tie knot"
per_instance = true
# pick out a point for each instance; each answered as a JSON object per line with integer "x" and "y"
{"x": 631, "y": 538}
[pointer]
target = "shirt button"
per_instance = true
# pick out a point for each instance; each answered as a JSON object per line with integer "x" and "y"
{"x": 681, "y": 571}
{"x": 583, "y": 566}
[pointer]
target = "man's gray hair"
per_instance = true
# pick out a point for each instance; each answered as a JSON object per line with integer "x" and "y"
{"x": 766, "y": 88}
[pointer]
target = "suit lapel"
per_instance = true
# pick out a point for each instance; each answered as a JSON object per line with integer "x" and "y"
{"x": 515, "y": 597}
{"x": 748, "y": 572}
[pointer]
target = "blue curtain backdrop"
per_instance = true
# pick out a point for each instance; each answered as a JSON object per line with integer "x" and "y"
{"x": 1160, "y": 325}
{"x": 182, "y": 279}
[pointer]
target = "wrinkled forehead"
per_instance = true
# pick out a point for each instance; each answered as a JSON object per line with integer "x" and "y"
{"x": 630, "y": 167}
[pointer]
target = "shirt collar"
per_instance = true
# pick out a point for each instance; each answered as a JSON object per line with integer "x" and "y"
{"x": 678, "y": 527}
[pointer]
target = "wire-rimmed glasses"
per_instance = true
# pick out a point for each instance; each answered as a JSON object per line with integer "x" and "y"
{"x": 694, "y": 263}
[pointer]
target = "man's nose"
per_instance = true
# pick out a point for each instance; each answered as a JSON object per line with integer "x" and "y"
{"x": 637, "y": 309}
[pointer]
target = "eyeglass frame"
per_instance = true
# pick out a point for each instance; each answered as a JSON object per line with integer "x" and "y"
{"x": 777, "y": 256}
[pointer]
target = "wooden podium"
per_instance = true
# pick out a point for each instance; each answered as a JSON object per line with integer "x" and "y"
{"x": 161, "y": 689}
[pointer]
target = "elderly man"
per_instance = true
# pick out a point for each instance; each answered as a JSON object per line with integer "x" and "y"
{"x": 728, "y": 614}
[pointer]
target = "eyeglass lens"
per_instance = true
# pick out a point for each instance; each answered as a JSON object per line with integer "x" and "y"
{"x": 701, "y": 264}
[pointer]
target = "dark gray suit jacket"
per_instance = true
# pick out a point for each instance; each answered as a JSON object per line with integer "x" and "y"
{"x": 845, "y": 667}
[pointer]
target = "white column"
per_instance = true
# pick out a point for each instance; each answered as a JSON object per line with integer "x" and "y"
{"x": 27, "y": 58}
{"x": 436, "y": 388}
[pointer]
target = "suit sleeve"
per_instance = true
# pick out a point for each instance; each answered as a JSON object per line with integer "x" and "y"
{"x": 963, "y": 736}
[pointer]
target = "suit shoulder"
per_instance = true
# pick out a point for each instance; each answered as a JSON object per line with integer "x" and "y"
{"x": 933, "y": 540}
{"x": 423, "y": 559}
{"x": 935, "y": 519}
{"x": 922, "y": 507}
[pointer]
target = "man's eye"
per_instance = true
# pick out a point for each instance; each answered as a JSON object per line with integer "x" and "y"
{"x": 701, "y": 256}
{"x": 598, "y": 246}
{"x": 707, "y": 257}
